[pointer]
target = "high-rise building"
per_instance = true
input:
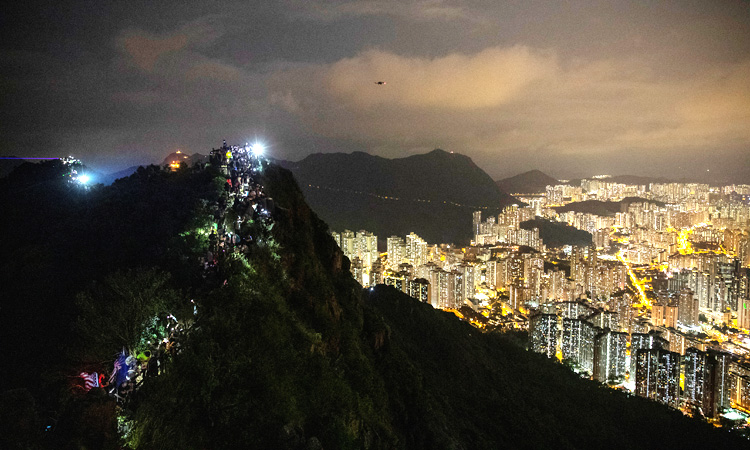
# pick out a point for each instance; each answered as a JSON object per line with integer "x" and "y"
{"x": 362, "y": 250}
{"x": 577, "y": 343}
{"x": 687, "y": 308}
{"x": 456, "y": 285}
{"x": 657, "y": 375}
{"x": 358, "y": 272}
{"x": 519, "y": 295}
{"x": 543, "y": 334}
{"x": 622, "y": 304}
{"x": 710, "y": 380}
{"x": 698, "y": 391}
{"x": 743, "y": 250}
{"x": 477, "y": 222}
{"x": 376, "y": 272}
{"x": 469, "y": 280}
{"x": 645, "y": 341}
{"x": 491, "y": 273}
{"x": 741, "y": 391}
{"x": 365, "y": 245}
{"x": 605, "y": 319}
{"x": 406, "y": 269}
{"x": 575, "y": 309}
{"x": 722, "y": 379}
{"x": 419, "y": 288}
{"x": 444, "y": 288}
{"x": 610, "y": 349}
{"x": 533, "y": 269}
{"x": 397, "y": 280}
{"x": 346, "y": 242}
{"x": 513, "y": 269}
{"x": 576, "y": 264}
{"x": 743, "y": 313}
{"x": 396, "y": 248}
{"x": 557, "y": 288}
{"x": 664, "y": 314}
{"x": 415, "y": 250}
{"x": 435, "y": 277}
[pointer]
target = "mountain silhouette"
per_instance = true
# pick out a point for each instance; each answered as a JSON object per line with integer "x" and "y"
{"x": 531, "y": 182}
{"x": 432, "y": 194}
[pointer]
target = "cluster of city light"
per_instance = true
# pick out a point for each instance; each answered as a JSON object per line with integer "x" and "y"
{"x": 639, "y": 284}
{"x": 685, "y": 248}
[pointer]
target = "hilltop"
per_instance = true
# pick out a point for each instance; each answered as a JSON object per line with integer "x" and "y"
{"x": 604, "y": 208}
{"x": 419, "y": 193}
{"x": 283, "y": 349}
{"x": 557, "y": 234}
{"x": 531, "y": 182}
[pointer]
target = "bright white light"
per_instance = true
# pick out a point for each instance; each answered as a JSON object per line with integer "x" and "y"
{"x": 257, "y": 149}
{"x": 84, "y": 179}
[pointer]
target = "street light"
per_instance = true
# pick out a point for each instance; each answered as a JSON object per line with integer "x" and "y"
{"x": 257, "y": 149}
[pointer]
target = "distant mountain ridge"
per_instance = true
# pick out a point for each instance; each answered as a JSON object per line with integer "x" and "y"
{"x": 110, "y": 178}
{"x": 531, "y": 182}
{"x": 432, "y": 194}
{"x": 604, "y": 208}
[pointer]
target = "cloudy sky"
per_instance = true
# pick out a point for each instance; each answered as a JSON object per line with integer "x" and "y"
{"x": 569, "y": 87}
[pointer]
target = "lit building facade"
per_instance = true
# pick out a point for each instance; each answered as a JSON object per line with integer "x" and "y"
{"x": 610, "y": 351}
{"x": 577, "y": 343}
{"x": 657, "y": 375}
{"x": 543, "y": 334}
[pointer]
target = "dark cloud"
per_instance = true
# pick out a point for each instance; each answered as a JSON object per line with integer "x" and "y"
{"x": 564, "y": 86}
{"x": 503, "y": 99}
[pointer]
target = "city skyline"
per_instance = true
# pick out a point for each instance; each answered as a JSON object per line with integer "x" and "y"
{"x": 657, "y": 297}
{"x": 657, "y": 89}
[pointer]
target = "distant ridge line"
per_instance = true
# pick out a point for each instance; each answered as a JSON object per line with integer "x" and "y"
{"x": 22, "y": 159}
{"x": 391, "y": 197}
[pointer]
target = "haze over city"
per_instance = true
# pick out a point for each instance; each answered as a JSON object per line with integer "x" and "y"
{"x": 572, "y": 89}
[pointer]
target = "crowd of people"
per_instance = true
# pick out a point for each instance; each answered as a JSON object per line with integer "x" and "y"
{"x": 130, "y": 368}
{"x": 243, "y": 199}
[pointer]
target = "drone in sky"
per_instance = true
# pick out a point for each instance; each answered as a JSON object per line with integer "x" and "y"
{"x": 380, "y": 83}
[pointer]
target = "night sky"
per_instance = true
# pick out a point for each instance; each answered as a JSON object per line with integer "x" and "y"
{"x": 571, "y": 88}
